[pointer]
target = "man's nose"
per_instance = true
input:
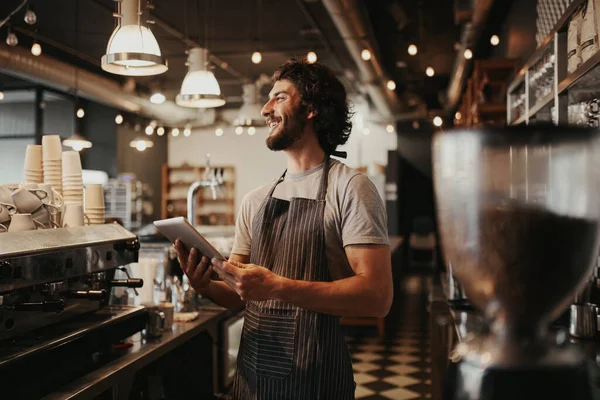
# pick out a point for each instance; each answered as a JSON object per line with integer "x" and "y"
{"x": 267, "y": 109}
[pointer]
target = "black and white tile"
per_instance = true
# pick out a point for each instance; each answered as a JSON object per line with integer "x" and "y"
{"x": 399, "y": 368}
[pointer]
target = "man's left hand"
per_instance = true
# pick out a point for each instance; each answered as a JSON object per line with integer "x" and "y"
{"x": 251, "y": 282}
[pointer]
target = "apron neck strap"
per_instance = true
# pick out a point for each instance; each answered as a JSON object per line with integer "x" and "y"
{"x": 324, "y": 181}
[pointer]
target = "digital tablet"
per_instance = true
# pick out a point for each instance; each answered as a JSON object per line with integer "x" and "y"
{"x": 180, "y": 228}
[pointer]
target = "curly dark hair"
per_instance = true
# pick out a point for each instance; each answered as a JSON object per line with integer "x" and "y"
{"x": 321, "y": 92}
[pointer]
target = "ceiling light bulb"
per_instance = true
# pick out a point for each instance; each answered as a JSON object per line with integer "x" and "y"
{"x": 495, "y": 40}
{"x": 11, "y": 39}
{"x": 458, "y": 115}
{"x": 149, "y": 130}
{"x": 311, "y": 57}
{"x": 390, "y": 128}
{"x": 391, "y": 85}
{"x": 153, "y": 123}
{"x": 219, "y": 132}
{"x": 239, "y": 130}
{"x": 251, "y": 131}
{"x": 256, "y": 57}
{"x": 430, "y": 72}
{"x": 468, "y": 54}
{"x": 187, "y": 132}
{"x": 140, "y": 145}
{"x": 80, "y": 113}
{"x": 437, "y": 121}
{"x": 365, "y": 54}
{"x": 77, "y": 147}
{"x": 36, "y": 49}
{"x": 119, "y": 119}
{"x": 412, "y": 50}
{"x": 175, "y": 132}
{"x": 30, "y": 17}
{"x": 157, "y": 98}
{"x": 160, "y": 131}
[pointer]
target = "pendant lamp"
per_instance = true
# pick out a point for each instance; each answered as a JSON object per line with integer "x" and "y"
{"x": 199, "y": 88}
{"x": 250, "y": 112}
{"x": 132, "y": 49}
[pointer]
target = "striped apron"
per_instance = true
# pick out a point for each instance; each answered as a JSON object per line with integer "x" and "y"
{"x": 288, "y": 352}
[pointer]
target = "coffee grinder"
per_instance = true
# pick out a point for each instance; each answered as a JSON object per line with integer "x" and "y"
{"x": 518, "y": 212}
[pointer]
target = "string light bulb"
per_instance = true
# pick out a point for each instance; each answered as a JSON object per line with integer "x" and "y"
{"x": 391, "y": 85}
{"x": 458, "y": 116}
{"x": 430, "y": 71}
{"x": 219, "y": 131}
{"x": 468, "y": 54}
{"x": 175, "y": 132}
{"x": 11, "y": 39}
{"x": 239, "y": 130}
{"x": 495, "y": 40}
{"x": 80, "y": 113}
{"x": 311, "y": 57}
{"x": 149, "y": 130}
{"x": 413, "y": 50}
{"x": 366, "y": 54}
{"x": 119, "y": 119}
{"x": 160, "y": 131}
{"x": 251, "y": 131}
{"x": 30, "y": 17}
{"x": 437, "y": 121}
{"x": 157, "y": 98}
{"x": 36, "y": 49}
{"x": 256, "y": 57}
{"x": 390, "y": 128}
{"x": 187, "y": 132}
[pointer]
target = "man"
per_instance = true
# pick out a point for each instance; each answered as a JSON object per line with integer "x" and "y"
{"x": 309, "y": 248}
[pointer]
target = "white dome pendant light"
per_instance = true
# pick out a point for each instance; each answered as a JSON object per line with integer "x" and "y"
{"x": 132, "y": 49}
{"x": 199, "y": 88}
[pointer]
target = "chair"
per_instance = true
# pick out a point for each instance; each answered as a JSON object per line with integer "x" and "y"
{"x": 422, "y": 244}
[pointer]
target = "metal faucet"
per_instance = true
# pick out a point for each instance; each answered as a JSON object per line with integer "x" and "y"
{"x": 212, "y": 179}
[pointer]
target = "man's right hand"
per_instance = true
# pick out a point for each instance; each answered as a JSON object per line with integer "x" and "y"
{"x": 198, "y": 270}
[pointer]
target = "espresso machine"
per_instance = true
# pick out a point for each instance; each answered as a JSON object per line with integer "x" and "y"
{"x": 518, "y": 212}
{"x": 56, "y": 318}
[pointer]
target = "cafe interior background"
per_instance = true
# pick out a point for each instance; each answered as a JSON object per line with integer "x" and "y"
{"x": 411, "y": 68}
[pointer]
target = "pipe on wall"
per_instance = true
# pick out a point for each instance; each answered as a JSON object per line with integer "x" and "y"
{"x": 65, "y": 77}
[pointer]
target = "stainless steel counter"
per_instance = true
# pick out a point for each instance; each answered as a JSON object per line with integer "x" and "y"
{"x": 119, "y": 373}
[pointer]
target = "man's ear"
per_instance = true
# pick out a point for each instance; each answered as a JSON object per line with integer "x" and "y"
{"x": 312, "y": 113}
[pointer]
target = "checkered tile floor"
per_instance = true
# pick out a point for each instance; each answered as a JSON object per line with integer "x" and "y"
{"x": 398, "y": 368}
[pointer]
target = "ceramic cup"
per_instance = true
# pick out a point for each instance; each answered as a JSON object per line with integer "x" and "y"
{"x": 23, "y": 222}
{"x": 43, "y": 216}
{"x": 5, "y": 193}
{"x": 54, "y": 198}
{"x": 26, "y": 201}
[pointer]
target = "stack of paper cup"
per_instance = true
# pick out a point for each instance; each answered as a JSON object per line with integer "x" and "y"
{"x": 72, "y": 179}
{"x": 33, "y": 169}
{"x": 52, "y": 161}
{"x": 94, "y": 204}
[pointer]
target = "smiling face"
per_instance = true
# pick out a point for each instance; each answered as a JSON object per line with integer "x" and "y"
{"x": 286, "y": 118}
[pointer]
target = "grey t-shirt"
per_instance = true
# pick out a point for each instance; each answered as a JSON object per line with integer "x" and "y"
{"x": 354, "y": 212}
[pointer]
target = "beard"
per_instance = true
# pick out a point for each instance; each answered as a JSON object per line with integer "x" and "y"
{"x": 287, "y": 135}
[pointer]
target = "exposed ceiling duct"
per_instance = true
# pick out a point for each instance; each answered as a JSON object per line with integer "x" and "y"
{"x": 470, "y": 35}
{"x": 65, "y": 77}
{"x": 349, "y": 22}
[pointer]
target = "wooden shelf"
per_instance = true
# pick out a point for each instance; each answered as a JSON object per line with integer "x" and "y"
{"x": 203, "y": 217}
{"x": 492, "y": 108}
